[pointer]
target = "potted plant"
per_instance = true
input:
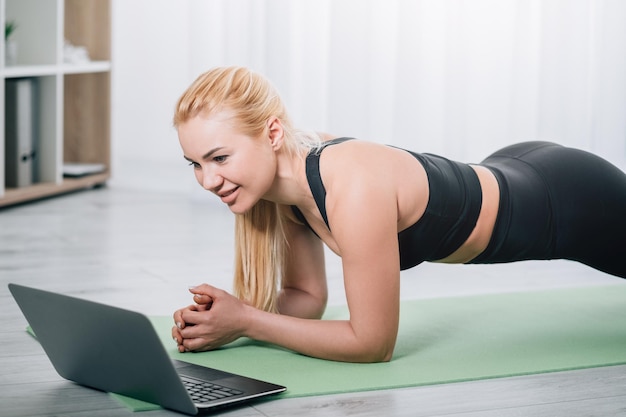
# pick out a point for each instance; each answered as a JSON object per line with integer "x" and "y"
{"x": 10, "y": 47}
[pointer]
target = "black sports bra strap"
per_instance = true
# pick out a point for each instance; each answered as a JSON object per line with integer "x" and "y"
{"x": 314, "y": 178}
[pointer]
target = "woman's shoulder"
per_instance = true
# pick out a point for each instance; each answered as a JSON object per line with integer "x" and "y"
{"x": 348, "y": 149}
{"x": 364, "y": 165}
{"x": 359, "y": 164}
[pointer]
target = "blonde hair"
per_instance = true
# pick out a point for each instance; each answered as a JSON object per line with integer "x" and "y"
{"x": 260, "y": 244}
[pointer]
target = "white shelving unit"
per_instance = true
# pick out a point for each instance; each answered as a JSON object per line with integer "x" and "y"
{"x": 73, "y": 101}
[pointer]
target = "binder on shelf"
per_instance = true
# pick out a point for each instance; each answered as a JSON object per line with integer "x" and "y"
{"x": 20, "y": 132}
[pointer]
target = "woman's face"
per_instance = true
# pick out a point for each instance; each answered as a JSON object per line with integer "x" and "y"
{"x": 238, "y": 168}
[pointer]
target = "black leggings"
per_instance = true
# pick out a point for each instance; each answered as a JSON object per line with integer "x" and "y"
{"x": 558, "y": 203}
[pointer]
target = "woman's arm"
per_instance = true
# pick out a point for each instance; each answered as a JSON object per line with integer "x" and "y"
{"x": 368, "y": 336}
{"x": 229, "y": 319}
{"x": 363, "y": 214}
{"x": 369, "y": 252}
{"x": 364, "y": 228}
{"x": 371, "y": 275}
{"x": 372, "y": 289}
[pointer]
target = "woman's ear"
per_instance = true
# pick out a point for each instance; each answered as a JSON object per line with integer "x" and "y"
{"x": 275, "y": 132}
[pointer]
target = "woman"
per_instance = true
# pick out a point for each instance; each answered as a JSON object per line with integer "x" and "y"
{"x": 380, "y": 208}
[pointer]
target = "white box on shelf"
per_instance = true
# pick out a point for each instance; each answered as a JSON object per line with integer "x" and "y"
{"x": 77, "y": 170}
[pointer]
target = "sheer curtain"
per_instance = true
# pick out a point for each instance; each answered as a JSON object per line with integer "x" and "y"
{"x": 461, "y": 78}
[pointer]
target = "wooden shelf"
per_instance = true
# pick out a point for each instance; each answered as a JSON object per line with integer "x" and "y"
{"x": 73, "y": 100}
{"x": 14, "y": 196}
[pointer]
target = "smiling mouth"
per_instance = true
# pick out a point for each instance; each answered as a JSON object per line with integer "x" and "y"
{"x": 229, "y": 197}
{"x": 226, "y": 194}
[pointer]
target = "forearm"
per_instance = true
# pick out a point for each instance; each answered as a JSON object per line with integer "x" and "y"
{"x": 324, "y": 339}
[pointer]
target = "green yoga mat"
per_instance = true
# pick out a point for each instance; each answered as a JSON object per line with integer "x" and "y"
{"x": 450, "y": 340}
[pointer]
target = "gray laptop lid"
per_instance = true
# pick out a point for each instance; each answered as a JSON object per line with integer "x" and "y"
{"x": 113, "y": 350}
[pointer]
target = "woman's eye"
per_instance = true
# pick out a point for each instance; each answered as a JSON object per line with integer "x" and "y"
{"x": 195, "y": 165}
{"x": 220, "y": 158}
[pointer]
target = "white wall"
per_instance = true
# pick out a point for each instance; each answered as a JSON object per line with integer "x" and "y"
{"x": 150, "y": 57}
{"x": 457, "y": 77}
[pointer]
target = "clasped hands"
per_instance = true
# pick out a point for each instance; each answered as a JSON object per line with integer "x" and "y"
{"x": 214, "y": 320}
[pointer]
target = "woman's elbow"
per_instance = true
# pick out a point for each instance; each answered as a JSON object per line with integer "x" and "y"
{"x": 383, "y": 356}
{"x": 376, "y": 352}
{"x": 375, "y": 358}
{"x": 387, "y": 356}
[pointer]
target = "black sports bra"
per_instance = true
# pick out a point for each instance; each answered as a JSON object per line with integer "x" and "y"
{"x": 451, "y": 213}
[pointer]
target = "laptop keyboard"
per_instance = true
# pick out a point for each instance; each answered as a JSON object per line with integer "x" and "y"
{"x": 202, "y": 392}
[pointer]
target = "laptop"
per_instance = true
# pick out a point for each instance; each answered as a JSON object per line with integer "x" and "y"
{"x": 117, "y": 350}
